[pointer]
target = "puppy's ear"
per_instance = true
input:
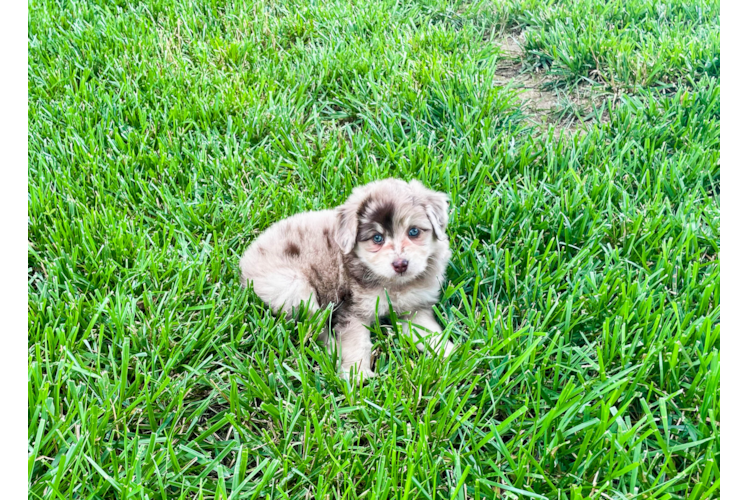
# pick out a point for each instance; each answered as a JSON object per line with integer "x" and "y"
{"x": 347, "y": 221}
{"x": 345, "y": 236}
{"x": 437, "y": 212}
{"x": 437, "y": 209}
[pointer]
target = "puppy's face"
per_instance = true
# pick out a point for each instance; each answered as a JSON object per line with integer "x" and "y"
{"x": 394, "y": 228}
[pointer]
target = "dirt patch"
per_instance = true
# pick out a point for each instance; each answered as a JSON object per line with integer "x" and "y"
{"x": 567, "y": 110}
{"x": 511, "y": 44}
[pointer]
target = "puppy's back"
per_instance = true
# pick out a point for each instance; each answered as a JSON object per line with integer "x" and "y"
{"x": 296, "y": 260}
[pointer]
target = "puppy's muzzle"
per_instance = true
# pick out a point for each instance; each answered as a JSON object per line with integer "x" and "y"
{"x": 400, "y": 266}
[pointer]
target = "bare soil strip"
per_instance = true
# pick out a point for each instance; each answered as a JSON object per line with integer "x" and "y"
{"x": 543, "y": 106}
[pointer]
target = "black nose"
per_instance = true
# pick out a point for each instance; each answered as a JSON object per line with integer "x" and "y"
{"x": 400, "y": 265}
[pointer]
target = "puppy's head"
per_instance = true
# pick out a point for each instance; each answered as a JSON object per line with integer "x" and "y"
{"x": 395, "y": 228}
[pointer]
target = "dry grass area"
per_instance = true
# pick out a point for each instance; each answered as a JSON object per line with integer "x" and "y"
{"x": 567, "y": 110}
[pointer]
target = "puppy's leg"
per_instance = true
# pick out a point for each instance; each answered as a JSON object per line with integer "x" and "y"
{"x": 423, "y": 326}
{"x": 354, "y": 348}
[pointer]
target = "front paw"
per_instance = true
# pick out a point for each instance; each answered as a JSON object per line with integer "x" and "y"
{"x": 443, "y": 348}
{"x": 448, "y": 348}
{"x": 357, "y": 372}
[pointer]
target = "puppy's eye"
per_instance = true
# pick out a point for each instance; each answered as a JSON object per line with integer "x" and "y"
{"x": 414, "y": 231}
{"x": 378, "y": 238}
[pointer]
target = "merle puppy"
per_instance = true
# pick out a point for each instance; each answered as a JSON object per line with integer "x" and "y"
{"x": 387, "y": 239}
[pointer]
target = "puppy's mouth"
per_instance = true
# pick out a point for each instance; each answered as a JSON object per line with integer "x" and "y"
{"x": 404, "y": 275}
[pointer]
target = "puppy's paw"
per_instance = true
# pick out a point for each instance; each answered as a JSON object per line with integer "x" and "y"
{"x": 443, "y": 348}
{"x": 358, "y": 373}
{"x": 448, "y": 348}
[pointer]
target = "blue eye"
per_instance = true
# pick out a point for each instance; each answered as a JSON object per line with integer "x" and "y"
{"x": 378, "y": 238}
{"x": 414, "y": 231}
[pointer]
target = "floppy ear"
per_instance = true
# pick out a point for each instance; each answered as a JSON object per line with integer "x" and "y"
{"x": 347, "y": 221}
{"x": 437, "y": 207}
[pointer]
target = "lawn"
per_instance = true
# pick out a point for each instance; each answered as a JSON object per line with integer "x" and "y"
{"x": 583, "y": 293}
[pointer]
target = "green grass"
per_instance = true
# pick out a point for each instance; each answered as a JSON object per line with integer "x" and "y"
{"x": 621, "y": 43}
{"x": 583, "y": 291}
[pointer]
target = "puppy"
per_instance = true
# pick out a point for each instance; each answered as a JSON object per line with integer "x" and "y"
{"x": 388, "y": 239}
